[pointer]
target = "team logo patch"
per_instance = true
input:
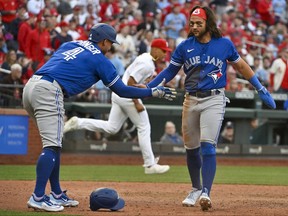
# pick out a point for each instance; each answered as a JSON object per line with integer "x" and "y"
{"x": 215, "y": 75}
{"x": 196, "y": 12}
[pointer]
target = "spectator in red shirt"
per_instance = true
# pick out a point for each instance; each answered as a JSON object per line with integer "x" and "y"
{"x": 189, "y": 4}
{"x": 37, "y": 40}
{"x": 3, "y": 51}
{"x": 47, "y": 55}
{"x": 24, "y": 30}
{"x": 264, "y": 9}
{"x": 8, "y": 10}
{"x": 109, "y": 10}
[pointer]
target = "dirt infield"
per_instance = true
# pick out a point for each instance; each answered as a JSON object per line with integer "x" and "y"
{"x": 155, "y": 199}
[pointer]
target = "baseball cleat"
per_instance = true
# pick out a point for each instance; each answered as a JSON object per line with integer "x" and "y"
{"x": 43, "y": 204}
{"x": 205, "y": 202}
{"x": 192, "y": 198}
{"x": 63, "y": 199}
{"x": 71, "y": 124}
{"x": 157, "y": 169}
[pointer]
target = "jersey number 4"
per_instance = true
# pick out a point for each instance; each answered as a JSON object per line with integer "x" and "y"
{"x": 71, "y": 54}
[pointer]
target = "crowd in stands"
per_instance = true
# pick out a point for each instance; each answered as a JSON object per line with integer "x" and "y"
{"x": 31, "y": 30}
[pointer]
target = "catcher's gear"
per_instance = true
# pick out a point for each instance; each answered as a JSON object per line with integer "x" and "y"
{"x": 102, "y": 31}
{"x": 164, "y": 92}
{"x": 106, "y": 198}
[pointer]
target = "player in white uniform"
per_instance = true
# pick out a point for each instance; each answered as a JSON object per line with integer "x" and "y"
{"x": 142, "y": 68}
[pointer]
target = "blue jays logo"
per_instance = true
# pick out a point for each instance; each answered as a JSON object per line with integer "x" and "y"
{"x": 215, "y": 75}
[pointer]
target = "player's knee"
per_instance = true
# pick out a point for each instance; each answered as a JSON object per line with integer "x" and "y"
{"x": 208, "y": 148}
{"x": 113, "y": 130}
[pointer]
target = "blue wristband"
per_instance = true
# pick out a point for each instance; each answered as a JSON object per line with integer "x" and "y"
{"x": 255, "y": 82}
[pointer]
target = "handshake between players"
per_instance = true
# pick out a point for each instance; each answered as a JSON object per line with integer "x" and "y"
{"x": 161, "y": 91}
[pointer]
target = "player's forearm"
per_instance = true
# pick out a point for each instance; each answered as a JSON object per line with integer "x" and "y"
{"x": 247, "y": 72}
{"x": 135, "y": 101}
{"x": 169, "y": 73}
{"x": 243, "y": 68}
{"x": 130, "y": 92}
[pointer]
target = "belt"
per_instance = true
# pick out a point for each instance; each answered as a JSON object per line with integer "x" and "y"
{"x": 50, "y": 79}
{"x": 203, "y": 94}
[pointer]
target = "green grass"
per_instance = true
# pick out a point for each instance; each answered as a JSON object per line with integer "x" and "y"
{"x": 15, "y": 213}
{"x": 255, "y": 175}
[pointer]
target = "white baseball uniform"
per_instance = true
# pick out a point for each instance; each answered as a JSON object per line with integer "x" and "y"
{"x": 122, "y": 108}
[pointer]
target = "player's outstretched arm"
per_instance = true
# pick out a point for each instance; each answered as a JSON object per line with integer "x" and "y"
{"x": 248, "y": 74}
{"x": 132, "y": 92}
{"x": 168, "y": 74}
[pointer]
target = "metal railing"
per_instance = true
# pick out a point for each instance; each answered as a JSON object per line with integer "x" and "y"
{"x": 11, "y": 95}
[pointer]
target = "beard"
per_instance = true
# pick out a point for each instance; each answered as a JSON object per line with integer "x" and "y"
{"x": 197, "y": 34}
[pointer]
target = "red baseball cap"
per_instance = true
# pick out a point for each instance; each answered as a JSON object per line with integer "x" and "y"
{"x": 149, "y": 14}
{"x": 63, "y": 24}
{"x": 161, "y": 43}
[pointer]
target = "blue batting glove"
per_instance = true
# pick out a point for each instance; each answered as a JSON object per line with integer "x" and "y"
{"x": 262, "y": 92}
{"x": 266, "y": 97}
{"x": 285, "y": 105}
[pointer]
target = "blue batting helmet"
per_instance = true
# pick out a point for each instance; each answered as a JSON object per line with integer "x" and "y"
{"x": 106, "y": 198}
{"x": 102, "y": 31}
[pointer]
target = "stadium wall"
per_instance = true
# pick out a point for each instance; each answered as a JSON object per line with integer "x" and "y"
{"x": 34, "y": 145}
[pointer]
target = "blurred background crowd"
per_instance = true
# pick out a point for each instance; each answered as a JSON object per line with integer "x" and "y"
{"x": 31, "y": 30}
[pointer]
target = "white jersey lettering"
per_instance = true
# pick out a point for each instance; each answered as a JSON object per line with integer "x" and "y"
{"x": 71, "y": 54}
{"x": 192, "y": 61}
{"x": 215, "y": 61}
{"x": 89, "y": 46}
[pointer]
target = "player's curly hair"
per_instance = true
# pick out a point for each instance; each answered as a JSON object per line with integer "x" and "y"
{"x": 211, "y": 24}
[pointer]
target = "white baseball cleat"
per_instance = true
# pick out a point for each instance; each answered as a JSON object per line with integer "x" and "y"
{"x": 192, "y": 198}
{"x": 157, "y": 169}
{"x": 205, "y": 202}
{"x": 63, "y": 199}
{"x": 44, "y": 204}
{"x": 71, "y": 124}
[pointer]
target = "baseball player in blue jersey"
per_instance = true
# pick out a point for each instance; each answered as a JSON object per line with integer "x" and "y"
{"x": 204, "y": 56}
{"x": 73, "y": 68}
{"x": 141, "y": 69}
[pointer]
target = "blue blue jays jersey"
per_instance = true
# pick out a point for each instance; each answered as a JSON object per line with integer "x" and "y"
{"x": 77, "y": 65}
{"x": 204, "y": 64}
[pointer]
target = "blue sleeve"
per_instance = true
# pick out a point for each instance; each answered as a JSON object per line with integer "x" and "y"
{"x": 169, "y": 73}
{"x": 128, "y": 91}
{"x": 233, "y": 55}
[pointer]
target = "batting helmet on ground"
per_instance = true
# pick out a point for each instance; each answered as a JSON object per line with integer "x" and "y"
{"x": 106, "y": 198}
{"x": 102, "y": 31}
